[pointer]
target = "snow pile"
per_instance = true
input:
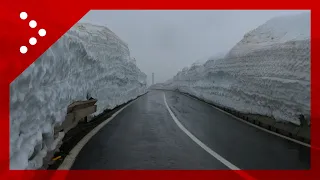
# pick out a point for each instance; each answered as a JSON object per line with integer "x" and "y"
{"x": 267, "y": 72}
{"x": 87, "y": 60}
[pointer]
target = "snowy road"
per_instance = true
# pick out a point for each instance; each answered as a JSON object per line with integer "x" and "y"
{"x": 146, "y": 136}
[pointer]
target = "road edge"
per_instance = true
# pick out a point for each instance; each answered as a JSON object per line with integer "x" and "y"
{"x": 245, "y": 121}
{"x": 214, "y": 154}
{"x": 71, "y": 157}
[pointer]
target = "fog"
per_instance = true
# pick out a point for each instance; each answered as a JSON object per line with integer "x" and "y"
{"x": 164, "y": 42}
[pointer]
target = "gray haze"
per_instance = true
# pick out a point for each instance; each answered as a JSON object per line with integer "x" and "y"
{"x": 164, "y": 42}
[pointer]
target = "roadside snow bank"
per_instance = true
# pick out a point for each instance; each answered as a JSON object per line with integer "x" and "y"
{"x": 266, "y": 73}
{"x": 89, "y": 60}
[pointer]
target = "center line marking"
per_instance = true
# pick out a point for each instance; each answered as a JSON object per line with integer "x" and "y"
{"x": 205, "y": 147}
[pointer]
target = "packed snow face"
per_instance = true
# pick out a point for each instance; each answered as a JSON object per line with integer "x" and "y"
{"x": 87, "y": 60}
{"x": 267, "y": 72}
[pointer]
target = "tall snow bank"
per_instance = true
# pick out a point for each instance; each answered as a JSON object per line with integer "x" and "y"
{"x": 267, "y": 72}
{"x": 87, "y": 60}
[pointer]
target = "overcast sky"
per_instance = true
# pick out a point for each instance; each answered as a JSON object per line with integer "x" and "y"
{"x": 164, "y": 42}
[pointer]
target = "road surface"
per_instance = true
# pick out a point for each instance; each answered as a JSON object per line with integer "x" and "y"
{"x": 146, "y": 136}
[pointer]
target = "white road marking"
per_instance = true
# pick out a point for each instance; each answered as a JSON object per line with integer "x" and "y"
{"x": 253, "y": 125}
{"x": 71, "y": 157}
{"x": 196, "y": 140}
{"x": 206, "y": 148}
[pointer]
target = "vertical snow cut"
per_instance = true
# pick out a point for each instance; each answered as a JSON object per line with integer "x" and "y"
{"x": 266, "y": 73}
{"x": 88, "y": 60}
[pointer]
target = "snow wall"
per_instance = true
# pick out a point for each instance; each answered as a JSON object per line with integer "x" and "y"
{"x": 266, "y": 73}
{"x": 87, "y": 60}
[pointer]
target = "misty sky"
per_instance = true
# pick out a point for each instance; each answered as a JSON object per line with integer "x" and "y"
{"x": 164, "y": 42}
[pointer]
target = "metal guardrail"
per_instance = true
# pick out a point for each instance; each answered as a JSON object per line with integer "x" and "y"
{"x": 76, "y": 112}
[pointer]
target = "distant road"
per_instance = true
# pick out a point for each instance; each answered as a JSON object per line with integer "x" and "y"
{"x": 194, "y": 135}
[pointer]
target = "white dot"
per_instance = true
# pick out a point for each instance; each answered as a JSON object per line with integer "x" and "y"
{"x": 23, "y": 49}
{"x": 23, "y": 15}
{"x": 33, "y": 41}
{"x": 33, "y": 24}
{"x": 42, "y": 32}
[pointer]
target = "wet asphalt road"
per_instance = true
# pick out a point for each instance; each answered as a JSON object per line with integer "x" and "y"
{"x": 144, "y": 136}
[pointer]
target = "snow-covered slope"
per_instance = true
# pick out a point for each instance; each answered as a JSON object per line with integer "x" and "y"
{"x": 88, "y": 59}
{"x": 267, "y": 72}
